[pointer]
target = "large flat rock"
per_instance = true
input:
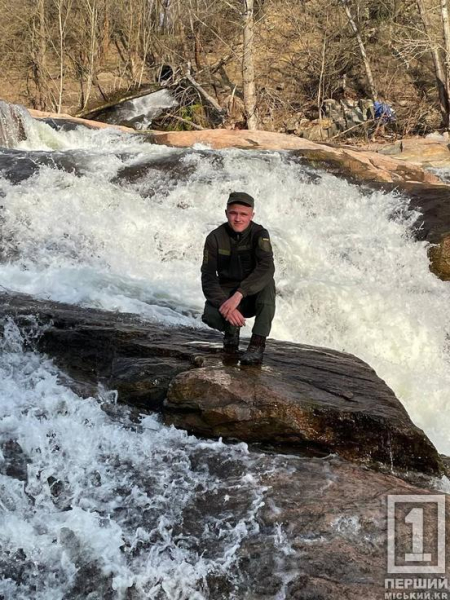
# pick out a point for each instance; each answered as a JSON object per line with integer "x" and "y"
{"x": 303, "y": 396}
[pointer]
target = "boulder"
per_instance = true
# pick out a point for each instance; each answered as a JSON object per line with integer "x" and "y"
{"x": 306, "y": 397}
{"x": 12, "y": 124}
{"x": 332, "y": 523}
{"x": 440, "y": 259}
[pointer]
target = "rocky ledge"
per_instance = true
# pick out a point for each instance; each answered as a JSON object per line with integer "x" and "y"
{"x": 304, "y": 396}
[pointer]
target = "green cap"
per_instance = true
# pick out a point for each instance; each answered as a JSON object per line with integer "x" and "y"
{"x": 241, "y": 198}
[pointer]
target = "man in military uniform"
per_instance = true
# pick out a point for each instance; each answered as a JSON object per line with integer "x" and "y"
{"x": 237, "y": 278}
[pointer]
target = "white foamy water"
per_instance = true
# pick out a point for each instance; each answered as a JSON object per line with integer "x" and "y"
{"x": 349, "y": 274}
{"x": 109, "y": 506}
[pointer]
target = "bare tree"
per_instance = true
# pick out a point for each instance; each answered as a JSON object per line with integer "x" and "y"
{"x": 441, "y": 78}
{"x": 362, "y": 49}
{"x": 446, "y": 28}
{"x": 248, "y": 71}
{"x": 38, "y": 55}
{"x": 92, "y": 13}
{"x": 63, "y": 9}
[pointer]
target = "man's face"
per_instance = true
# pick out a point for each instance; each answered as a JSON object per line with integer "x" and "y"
{"x": 239, "y": 217}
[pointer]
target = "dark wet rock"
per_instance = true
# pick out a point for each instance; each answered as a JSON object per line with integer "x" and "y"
{"x": 17, "y": 567}
{"x": 15, "y": 461}
{"x": 172, "y": 164}
{"x": 161, "y": 174}
{"x": 156, "y": 175}
{"x": 65, "y": 124}
{"x": 322, "y": 399}
{"x": 18, "y": 165}
{"x": 303, "y": 396}
{"x": 13, "y": 120}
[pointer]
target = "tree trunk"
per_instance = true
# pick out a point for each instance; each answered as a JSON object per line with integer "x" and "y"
{"x": 441, "y": 82}
{"x": 446, "y": 27}
{"x": 62, "y": 22}
{"x": 362, "y": 49}
{"x": 39, "y": 53}
{"x": 92, "y": 10}
{"x": 248, "y": 72}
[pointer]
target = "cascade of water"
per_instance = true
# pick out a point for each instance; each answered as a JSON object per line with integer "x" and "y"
{"x": 139, "y": 112}
{"x": 100, "y": 504}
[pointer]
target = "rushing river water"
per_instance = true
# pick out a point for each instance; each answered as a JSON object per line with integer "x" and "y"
{"x": 100, "y": 218}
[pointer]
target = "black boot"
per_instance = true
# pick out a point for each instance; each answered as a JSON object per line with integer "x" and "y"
{"x": 231, "y": 340}
{"x": 255, "y": 351}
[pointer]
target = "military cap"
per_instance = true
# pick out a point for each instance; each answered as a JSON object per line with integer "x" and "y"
{"x": 241, "y": 198}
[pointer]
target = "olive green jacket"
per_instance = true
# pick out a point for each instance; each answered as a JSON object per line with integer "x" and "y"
{"x": 236, "y": 262}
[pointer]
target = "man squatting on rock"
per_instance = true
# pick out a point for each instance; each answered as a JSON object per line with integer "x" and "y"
{"x": 237, "y": 278}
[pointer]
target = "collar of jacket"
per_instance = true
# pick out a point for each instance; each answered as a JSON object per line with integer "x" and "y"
{"x": 238, "y": 235}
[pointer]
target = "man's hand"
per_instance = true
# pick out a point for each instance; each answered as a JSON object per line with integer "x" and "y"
{"x": 236, "y": 318}
{"x": 230, "y": 305}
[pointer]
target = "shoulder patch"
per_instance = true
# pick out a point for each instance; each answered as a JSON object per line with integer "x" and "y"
{"x": 264, "y": 244}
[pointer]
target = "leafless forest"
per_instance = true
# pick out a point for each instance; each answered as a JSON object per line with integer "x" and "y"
{"x": 262, "y": 62}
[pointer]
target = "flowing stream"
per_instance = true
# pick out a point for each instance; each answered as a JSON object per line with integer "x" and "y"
{"x": 103, "y": 219}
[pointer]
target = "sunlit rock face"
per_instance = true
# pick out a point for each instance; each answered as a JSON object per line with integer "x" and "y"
{"x": 366, "y": 166}
{"x": 305, "y": 397}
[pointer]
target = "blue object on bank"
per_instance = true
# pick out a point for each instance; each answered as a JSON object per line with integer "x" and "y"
{"x": 384, "y": 112}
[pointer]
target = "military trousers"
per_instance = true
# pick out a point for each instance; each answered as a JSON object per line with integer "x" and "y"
{"x": 261, "y": 306}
